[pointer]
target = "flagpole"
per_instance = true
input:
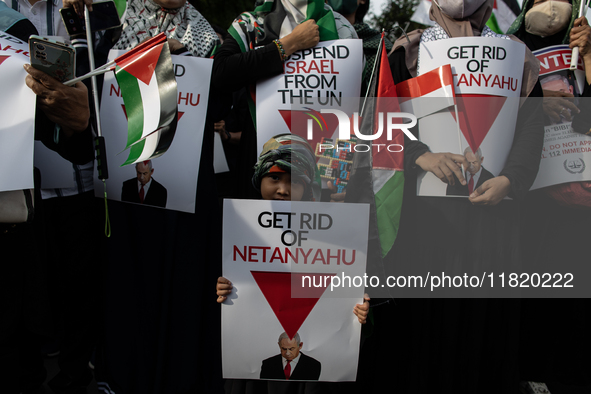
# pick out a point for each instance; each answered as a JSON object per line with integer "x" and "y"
{"x": 99, "y": 140}
{"x": 459, "y": 133}
{"x": 101, "y": 70}
{"x": 575, "y": 54}
{"x": 373, "y": 71}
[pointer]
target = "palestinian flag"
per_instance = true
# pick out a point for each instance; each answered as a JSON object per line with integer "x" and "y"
{"x": 377, "y": 177}
{"x": 146, "y": 78}
{"x": 428, "y": 93}
{"x": 504, "y": 13}
{"x": 387, "y": 174}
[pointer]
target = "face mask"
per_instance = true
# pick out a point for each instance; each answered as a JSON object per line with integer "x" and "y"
{"x": 548, "y": 18}
{"x": 459, "y": 9}
{"x": 343, "y": 7}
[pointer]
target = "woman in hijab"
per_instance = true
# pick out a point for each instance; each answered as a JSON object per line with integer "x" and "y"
{"x": 564, "y": 335}
{"x": 260, "y": 42}
{"x": 463, "y": 345}
{"x": 154, "y": 319}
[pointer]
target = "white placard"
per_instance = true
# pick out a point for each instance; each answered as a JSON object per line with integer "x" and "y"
{"x": 566, "y": 155}
{"x": 177, "y": 169}
{"x": 326, "y": 76}
{"x": 17, "y": 111}
{"x": 328, "y": 239}
{"x": 487, "y": 82}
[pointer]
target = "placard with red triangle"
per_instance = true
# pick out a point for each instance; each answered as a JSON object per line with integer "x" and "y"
{"x": 477, "y": 113}
{"x": 277, "y": 289}
{"x": 323, "y": 125}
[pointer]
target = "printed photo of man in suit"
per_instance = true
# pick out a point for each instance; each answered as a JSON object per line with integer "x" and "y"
{"x": 476, "y": 175}
{"x": 143, "y": 189}
{"x": 291, "y": 364}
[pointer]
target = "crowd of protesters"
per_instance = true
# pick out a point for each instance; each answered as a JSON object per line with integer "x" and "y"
{"x": 140, "y": 304}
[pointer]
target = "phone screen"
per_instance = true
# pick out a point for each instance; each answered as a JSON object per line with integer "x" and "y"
{"x": 103, "y": 16}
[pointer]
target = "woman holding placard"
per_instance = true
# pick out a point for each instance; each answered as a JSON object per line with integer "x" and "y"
{"x": 463, "y": 345}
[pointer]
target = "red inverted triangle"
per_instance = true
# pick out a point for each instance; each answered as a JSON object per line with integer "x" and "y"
{"x": 297, "y": 121}
{"x": 2, "y": 58}
{"x": 277, "y": 288}
{"x": 141, "y": 61}
{"x": 477, "y": 114}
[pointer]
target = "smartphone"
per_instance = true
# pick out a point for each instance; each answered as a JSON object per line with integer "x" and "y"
{"x": 53, "y": 58}
{"x": 104, "y": 16}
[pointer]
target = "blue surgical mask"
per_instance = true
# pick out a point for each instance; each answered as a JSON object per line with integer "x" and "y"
{"x": 344, "y": 7}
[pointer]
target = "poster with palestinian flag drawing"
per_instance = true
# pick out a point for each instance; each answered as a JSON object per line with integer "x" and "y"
{"x": 566, "y": 155}
{"x": 17, "y": 111}
{"x": 297, "y": 269}
{"x": 487, "y": 76}
{"x": 172, "y": 176}
{"x": 326, "y": 76}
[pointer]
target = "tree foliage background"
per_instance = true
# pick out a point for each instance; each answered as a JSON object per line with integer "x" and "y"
{"x": 395, "y": 11}
{"x": 222, "y": 12}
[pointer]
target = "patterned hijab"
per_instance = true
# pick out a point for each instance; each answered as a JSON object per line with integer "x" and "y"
{"x": 145, "y": 19}
{"x": 272, "y": 19}
{"x": 289, "y": 153}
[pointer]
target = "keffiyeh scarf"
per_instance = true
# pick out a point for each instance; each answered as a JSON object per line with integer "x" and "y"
{"x": 145, "y": 19}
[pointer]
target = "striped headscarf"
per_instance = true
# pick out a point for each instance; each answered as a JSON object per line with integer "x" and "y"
{"x": 292, "y": 154}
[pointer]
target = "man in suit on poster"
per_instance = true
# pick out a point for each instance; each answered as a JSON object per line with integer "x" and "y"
{"x": 144, "y": 189}
{"x": 291, "y": 364}
{"x": 476, "y": 175}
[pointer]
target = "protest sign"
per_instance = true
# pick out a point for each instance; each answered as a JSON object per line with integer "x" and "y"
{"x": 17, "y": 110}
{"x": 56, "y": 172}
{"x": 176, "y": 171}
{"x": 326, "y": 76}
{"x": 289, "y": 263}
{"x": 566, "y": 153}
{"x": 487, "y": 82}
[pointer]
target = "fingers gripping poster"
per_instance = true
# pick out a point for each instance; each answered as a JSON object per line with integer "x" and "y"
{"x": 172, "y": 177}
{"x": 487, "y": 76}
{"x": 289, "y": 264}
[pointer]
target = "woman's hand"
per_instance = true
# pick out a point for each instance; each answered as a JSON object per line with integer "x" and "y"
{"x": 362, "y": 310}
{"x": 223, "y": 288}
{"x": 174, "y": 45}
{"x": 305, "y": 35}
{"x": 78, "y": 6}
{"x": 580, "y": 36}
{"x": 444, "y": 166}
{"x": 557, "y": 104}
{"x": 491, "y": 192}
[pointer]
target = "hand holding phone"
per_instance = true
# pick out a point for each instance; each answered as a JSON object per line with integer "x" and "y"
{"x": 54, "y": 58}
{"x": 65, "y": 105}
